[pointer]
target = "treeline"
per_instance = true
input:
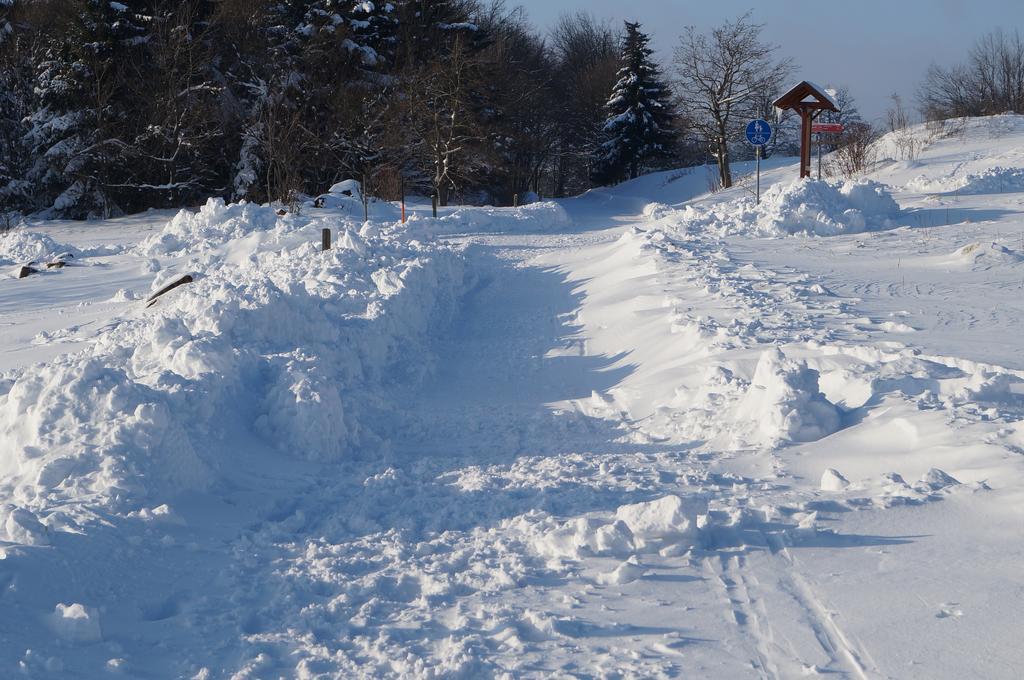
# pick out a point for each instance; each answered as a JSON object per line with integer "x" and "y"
{"x": 110, "y": 107}
{"x": 115, "y": 106}
{"x": 989, "y": 82}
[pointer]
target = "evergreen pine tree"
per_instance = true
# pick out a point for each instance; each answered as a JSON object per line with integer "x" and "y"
{"x": 16, "y": 80}
{"x": 639, "y": 128}
{"x": 79, "y": 127}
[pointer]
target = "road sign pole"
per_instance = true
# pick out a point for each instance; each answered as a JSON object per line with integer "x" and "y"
{"x": 759, "y": 132}
{"x": 757, "y": 153}
{"x": 819, "y": 156}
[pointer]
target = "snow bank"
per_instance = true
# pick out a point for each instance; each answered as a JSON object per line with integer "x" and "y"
{"x": 997, "y": 180}
{"x": 540, "y": 216}
{"x": 216, "y": 223}
{"x": 289, "y": 344}
{"x": 986, "y": 255}
{"x": 808, "y": 207}
{"x": 994, "y": 180}
{"x": 21, "y": 246}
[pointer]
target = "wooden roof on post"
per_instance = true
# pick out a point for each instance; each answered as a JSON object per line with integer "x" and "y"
{"x": 807, "y": 95}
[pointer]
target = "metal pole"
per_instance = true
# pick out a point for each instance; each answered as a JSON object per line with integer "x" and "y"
{"x": 757, "y": 153}
{"x": 819, "y": 156}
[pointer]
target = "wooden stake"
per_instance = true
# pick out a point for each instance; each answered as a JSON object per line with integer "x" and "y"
{"x": 151, "y": 300}
{"x": 326, "y": 239}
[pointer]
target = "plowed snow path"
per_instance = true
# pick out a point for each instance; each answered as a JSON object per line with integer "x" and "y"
{"x": 433, "y": 563}
{"x": 485, "y": 524}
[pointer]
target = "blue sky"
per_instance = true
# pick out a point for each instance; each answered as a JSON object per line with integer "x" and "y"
{"x": 873, "y": 47}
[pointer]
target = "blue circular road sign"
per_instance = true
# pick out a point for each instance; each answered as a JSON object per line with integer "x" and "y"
{"x": 759, "y": 132}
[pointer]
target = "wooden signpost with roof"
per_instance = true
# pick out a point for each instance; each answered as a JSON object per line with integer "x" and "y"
{"x": 808, "y": 100}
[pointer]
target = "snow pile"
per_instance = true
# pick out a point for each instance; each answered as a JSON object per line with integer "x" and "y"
{"x": 986, "y": 255}
{"x": 652, "y": 526}
{"x": 994, "y": 180}
{"x": 825, "y": 208}
{"x": 997, "y": 180}
{"x": 289, "y": 344}
{"x": 809, "y": 207}
{"x": 540, "y": 216}
{"x": 20, "y": 246}
{"x": 216, "y": 223}
{"x": 784, "y": 404}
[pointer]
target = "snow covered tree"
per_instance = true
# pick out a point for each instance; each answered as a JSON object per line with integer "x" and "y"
{"x": 16, "y": 80}
{"x": 83, "y": 86}
{"x": 639, "y": 128}
{"x": 177, "y": 154}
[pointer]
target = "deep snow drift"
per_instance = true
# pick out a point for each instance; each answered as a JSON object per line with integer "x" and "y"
{"x": 646, "y": 432}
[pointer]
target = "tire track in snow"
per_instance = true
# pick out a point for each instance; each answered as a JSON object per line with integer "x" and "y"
{"x": 727, "y": 571}
{"x": 839, "y": 645}
{"x": 775, "y": 652}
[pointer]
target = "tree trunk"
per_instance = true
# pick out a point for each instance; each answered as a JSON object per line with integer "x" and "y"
{"x": 724, "y": 173}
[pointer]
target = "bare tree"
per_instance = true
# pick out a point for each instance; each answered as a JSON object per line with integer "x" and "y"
{"x": 991, "y": 81}
{"x": 719, "y": 77}
{"x": 585, "y": 53}
{"x": 908, "y": 144}
{"x": 855, "y": 150}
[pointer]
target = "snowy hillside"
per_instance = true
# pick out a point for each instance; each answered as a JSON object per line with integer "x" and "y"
{"x": 645, "y": 432}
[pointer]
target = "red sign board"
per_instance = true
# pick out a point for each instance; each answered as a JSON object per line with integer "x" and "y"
{"x": 827, "y": 127}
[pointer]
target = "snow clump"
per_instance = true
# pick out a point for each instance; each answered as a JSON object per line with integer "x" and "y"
{"x": 21, "y": 246}
{"x": 216, "y": 223}
{"x": 804, "y": 207}
{"x": 784, "y": 404}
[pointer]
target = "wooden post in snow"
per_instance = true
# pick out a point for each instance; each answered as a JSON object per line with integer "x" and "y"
{"x": 402, "y": 189}
{"x": 325, "y": 239}
{"x": 366, "y": 201}
{"x": 433, "y": 203}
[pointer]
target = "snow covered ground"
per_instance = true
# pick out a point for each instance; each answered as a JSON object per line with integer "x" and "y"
{"x": 645, "y": 432}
